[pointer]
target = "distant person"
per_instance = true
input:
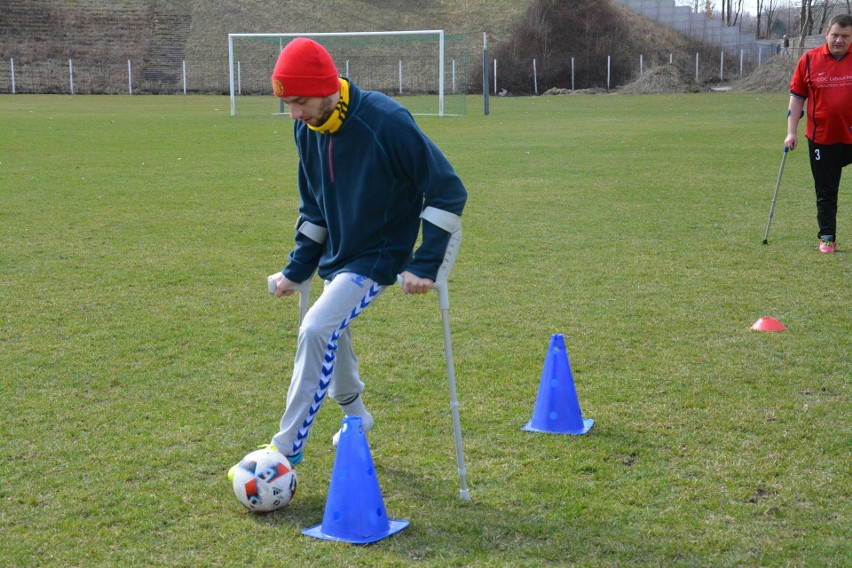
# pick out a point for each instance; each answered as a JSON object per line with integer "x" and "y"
{"x": 823, "y": 78}
{"x": 786, "y": 45}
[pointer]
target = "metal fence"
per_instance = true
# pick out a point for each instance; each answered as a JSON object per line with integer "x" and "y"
{"x": 85, "y": 76}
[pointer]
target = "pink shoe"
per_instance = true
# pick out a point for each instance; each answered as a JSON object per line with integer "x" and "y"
{"x": 827, "y": 247}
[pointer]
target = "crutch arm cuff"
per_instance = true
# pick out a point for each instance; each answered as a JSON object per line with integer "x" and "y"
{"x": 316, "y": 233}
{"x": 442, "y": 218}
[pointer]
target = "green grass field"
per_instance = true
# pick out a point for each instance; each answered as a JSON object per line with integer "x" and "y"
{"x": 141, "y": 356}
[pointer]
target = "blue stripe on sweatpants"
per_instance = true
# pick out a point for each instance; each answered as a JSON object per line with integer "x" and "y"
{"x": 328, "y": 368}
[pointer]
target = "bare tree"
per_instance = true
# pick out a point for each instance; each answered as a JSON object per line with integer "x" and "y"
{"x": 826, "y": 11}
{"x": 769, "y": 7}
{"x": 693, "y": 5}
{"x": 731, "y": 12}
{"x": 806, "y": 20}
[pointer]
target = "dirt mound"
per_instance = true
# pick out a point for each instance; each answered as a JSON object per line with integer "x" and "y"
{"x": 772, "y": 76}
{"x": 557, "y": 91}
{"x": 590, "y": 91}
{"x": 662, "y": 79}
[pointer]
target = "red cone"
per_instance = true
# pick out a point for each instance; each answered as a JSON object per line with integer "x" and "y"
{"x": 768, "y": 324}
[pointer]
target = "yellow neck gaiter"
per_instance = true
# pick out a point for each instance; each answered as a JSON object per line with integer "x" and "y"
{"x": 335, "y": 121}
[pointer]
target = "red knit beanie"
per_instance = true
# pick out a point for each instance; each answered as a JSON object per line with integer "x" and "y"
{"x": 304, "y": 69}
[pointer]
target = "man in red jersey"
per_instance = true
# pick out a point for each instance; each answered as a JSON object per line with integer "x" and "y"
{"x": 823, "y": 79}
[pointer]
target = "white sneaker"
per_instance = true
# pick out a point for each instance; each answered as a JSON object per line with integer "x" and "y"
{"x": 827, "y": 247}
{"x": 355, "y": 408}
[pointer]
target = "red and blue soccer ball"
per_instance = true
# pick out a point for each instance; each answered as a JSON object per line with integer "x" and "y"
{"x": 264, "y": 481}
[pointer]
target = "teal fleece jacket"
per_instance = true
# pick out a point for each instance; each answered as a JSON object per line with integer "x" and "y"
{"x": 367, "y": 184}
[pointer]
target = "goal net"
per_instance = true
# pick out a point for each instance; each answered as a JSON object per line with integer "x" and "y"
{"x": 426, "y": 70}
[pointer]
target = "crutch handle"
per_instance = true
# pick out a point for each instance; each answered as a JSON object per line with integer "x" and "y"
{"x": 439, "y": 286}
{"x": 304, "y": 290}
{"x": 301, "y": 287}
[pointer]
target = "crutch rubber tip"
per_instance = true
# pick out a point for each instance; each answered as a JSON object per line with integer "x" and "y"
{"x": 766, "y": 242}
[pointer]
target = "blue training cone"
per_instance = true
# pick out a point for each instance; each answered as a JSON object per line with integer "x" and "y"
{"x": 354, "y": 509}
{"x": 557, "y": 409}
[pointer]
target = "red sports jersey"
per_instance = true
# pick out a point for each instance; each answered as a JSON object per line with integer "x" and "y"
{"x": 826, "y": 83}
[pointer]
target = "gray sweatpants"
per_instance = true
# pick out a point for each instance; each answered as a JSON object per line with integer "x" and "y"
{"x": 325, "y": 362}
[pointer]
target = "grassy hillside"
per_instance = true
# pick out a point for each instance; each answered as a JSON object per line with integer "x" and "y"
{"x": 214, "y": 20}
{"x": 218, "y": 17}
{"x": 42, "y": 35}
{"x": 100, "y": 36}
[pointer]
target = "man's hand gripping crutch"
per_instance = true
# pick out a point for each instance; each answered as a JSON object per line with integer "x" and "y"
{"x": 411, "y": 284}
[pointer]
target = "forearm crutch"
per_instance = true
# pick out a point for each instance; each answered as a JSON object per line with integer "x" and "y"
{"x": 452, "y": 224}
{"x": 774, "y": 197}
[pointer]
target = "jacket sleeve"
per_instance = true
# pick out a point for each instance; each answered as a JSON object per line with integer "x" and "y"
{"x": 420, "y": 160}
{"x": 304, "y": 258}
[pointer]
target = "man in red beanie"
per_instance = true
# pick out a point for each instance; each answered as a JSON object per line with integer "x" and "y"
{"x": 823, "y": 77}
{"x": 370, "y": 183}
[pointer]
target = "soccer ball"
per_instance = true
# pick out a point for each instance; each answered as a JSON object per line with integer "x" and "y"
{"x": 264, "y": 481}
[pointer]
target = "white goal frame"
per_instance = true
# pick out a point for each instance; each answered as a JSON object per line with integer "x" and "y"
{"x": 438, "y": 33}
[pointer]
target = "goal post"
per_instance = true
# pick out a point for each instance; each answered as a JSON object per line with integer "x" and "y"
{"x": 425, "y": 70}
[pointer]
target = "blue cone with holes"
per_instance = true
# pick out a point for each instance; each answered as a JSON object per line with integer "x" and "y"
{"x": 557, "y": 409}
{"x": 354, "y": 509}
